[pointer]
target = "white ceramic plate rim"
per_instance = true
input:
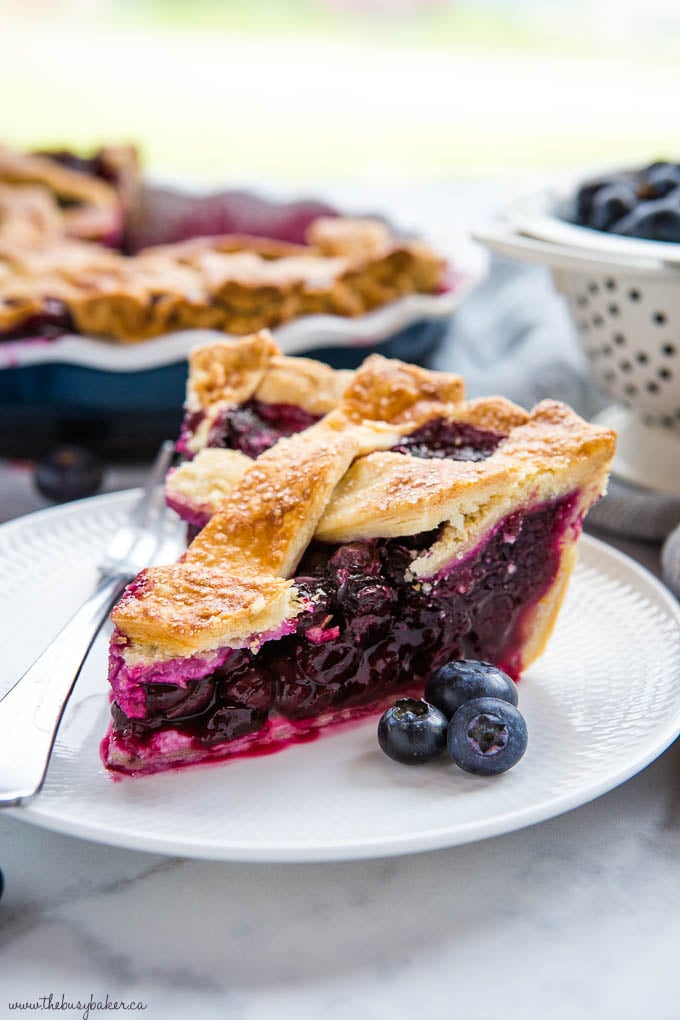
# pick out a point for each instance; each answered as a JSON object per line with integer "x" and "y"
{"x": 429, "y": 839}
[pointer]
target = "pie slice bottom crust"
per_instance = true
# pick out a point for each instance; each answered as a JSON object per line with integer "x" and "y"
{"x": 346, "y": 563}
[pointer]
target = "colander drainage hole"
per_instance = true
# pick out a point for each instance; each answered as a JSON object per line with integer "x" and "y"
{"x": 659, "y": 318}
{"x": 634, "y": 294}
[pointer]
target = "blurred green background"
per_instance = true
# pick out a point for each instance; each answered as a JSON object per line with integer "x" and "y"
{"x": 345, "y": 89}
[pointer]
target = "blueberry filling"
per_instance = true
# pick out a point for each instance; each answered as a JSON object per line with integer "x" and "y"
{"x": 372, "y": 631}
{"x": 455, "y": 440}
{"x": 252, "y": 427}
{"x": 52, "y": 321}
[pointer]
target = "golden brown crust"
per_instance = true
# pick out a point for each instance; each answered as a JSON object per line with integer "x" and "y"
{"x": 233, "y": 284}
{"x": 337, "y": 235}
{"x": 393, "y": 391}
{"x": 239, "y": 558}
{"x": 540, "y": 620}
{"x": 231, "y": 372}
{"x": 387, "y": 495}
{"x": 86, "y": 206}
{"x": 310, "y": 385}
{"x": 185, "y": 608}
{"x": 493, "y": 414}
{"x": 378, "y": 258}
{"x": 204, "y": 483}
{"x": 28, "y": 216}
{"x": 27, "y": 168}
{"x": 192, "y": 251}
{"x": 228, "y": 372}
{"x": 224, "y": 374}
{"x": 268, "y": 519}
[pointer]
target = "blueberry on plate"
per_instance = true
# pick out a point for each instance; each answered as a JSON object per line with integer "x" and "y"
{"x": 68, "y": 472}
{"x": 412, "y": 732}
{"x": 456, "y": 682}
{"x": 487, "y": 736}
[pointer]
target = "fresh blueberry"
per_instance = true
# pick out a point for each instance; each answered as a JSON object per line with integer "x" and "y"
{"x": 412, "y": 732}
{"x": 69, "y": 472}
{"x": 585, "y": 197}
{"x": 453, "y": 684}
{"x": 653, "y": 221}
{"x": 487, "y": 736}
{"x": 611, "y": 204}
{"x": 658, "y": 180}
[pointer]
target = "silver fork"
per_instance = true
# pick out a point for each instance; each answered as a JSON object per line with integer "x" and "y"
{"x": 32, "y": 709}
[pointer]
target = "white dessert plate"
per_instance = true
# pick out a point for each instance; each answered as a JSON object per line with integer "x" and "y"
{"x": 601, "y": 703}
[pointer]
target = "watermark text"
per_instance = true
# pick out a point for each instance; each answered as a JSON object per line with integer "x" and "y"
{"x": 83, "y": 1007}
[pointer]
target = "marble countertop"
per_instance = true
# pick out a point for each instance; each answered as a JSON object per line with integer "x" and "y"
{"x": 573, "y": 919}
{"x": 576, "y": 918}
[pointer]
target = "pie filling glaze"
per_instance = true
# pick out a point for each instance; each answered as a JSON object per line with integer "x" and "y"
{"x": 369, "y": 634}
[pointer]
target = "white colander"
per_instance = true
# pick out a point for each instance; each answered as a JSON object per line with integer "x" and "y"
{"x": 626, "y": 309}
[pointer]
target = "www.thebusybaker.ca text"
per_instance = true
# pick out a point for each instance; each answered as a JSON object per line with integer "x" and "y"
{"x": 82, "y": 1006}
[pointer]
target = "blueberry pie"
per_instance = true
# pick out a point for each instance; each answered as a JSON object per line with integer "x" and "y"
{"x": 230, "y": 283}
{"x": 396, "y": 527}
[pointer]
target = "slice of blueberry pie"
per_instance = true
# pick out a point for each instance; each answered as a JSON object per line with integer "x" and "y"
{"x": 349, "y": 559}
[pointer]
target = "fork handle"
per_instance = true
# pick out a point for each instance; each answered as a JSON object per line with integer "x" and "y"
{"x": 31, "y": 711}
